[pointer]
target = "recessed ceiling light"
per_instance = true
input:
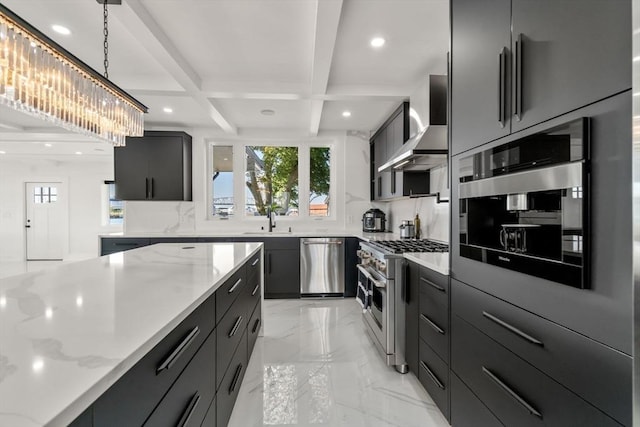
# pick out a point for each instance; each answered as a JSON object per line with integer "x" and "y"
{"x": 346, "y": 114}
{"x": 78, "y": 152}
{"x": 225, "y": 159}
{"x": 61, "y": 30}
{"x": 267, "y": 112}
{"x": 3, "y": 152}
{"x": 377, "y": 42}
{"x": 47, "y": 145}
{"x": 167, "y": 110}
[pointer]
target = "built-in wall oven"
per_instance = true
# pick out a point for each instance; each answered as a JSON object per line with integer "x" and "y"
{"x": 524, "y": 205}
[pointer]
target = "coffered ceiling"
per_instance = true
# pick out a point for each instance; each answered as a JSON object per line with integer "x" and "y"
{"x": 219, "y": 63}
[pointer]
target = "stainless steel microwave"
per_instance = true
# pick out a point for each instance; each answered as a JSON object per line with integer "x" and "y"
{"x": 524, "y": 205}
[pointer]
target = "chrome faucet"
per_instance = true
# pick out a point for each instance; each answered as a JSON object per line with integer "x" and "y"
{"x": 272, "y": 219}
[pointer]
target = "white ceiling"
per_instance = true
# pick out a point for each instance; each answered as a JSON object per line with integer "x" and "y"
{"x": 218, "y": 63}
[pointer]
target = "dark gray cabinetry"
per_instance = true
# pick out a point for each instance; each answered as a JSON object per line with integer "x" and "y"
{"x": 282, "y": 267}
{"x": 467, "y": 409}
{"x": 597, "y": 373}
{"x": 480, "y": 39}
{"x": 130, "y": 400}
{"x": 110, "y": 245}
{"x": 350, "y": 269}
{"x": 517, "y": 63}
{"x": 516, "y": 392}
{"x": 84, "y": 420}
{"x": 156, "y": 166}
{"x": 230, "y": 386}
{"x": 427, "y": 334}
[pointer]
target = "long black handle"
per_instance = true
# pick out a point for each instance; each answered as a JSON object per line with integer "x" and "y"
{"x": 435, "y": 327}
{"x": 513, "y": 329}
{"x": 177, "y": 352}
{"x": 393, "y": 182}
{"x": 404, "y": 291}
{"x": 152, "y": 188}
{"x": 236, "y": 376}
{"x": 146, "y": 187}
{"x": 235, "y": 326}
{"x": 190, "y": 409}
{"x": 518, "y": 78}
{"x": 255, "y": 326}
{"x": 515, "y": 396}
{"x": 433, "y": 285}
{"x": 432, "y": 375}
{"x": 501, "y": 86}
{"x": 235, "y": 285}
{"x": 255, "y": 290}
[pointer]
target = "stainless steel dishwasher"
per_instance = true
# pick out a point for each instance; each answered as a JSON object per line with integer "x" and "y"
{"x": 322, "y": 267}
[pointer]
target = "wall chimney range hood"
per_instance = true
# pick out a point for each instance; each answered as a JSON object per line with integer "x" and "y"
{"x": 427, "y": 147}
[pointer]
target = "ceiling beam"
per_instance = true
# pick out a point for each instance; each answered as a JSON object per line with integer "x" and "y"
{"x": 134, "y": 15}
{"x": 326, "y": 31}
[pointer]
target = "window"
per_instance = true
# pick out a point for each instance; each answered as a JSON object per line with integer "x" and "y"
{"x": 116, "y": 207}
{"x": 45, "y": 195}
{"x": 271, "y": 180}
{"x": 319, "y": 181}
{"x": 222, "y": 182}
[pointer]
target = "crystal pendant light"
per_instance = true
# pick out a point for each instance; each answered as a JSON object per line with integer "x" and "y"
{"x": 40, "y": 78}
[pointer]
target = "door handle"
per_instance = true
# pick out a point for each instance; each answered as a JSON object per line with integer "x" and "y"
{"x": 433, "y": 325}
{"x": 368, "y": 275}
{"x": 337, "y": 242}
{"x": 177, "y": 352}
{"x": 191, "y": 407}
{"x": 501, "y": 86}
{"x": 146, "y": 187}
{"x": 27, "y": 226}
{"x": 518, "y": 78}
{"x": 513, "y": 329}
{"x": 515, "y": 396}
{"x": 152, "y": 188}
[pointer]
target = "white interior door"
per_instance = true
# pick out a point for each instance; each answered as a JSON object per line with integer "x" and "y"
{"x": 44, "y": 220}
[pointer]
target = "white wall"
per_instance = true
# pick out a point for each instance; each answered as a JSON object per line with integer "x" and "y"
{"x": 84, "y": 177}
{"x": 351, "y": 161}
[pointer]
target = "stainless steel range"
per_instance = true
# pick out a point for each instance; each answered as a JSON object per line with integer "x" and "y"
{"x": 380, "y": 279}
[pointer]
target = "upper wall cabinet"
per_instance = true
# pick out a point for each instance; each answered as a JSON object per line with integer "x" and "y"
{"x": 156, "y": 166}
{"x": 516, "y": 63}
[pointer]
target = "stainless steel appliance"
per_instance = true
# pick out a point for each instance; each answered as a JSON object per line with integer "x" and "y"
{"x": 524, "y": 205}
{"x": 374, "y": 220}
{"x": 380, "y": 270}
{"x": 322, "y": 267}
{"x": 407, "y": 229}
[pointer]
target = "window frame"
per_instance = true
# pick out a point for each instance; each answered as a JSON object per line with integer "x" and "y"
{"x": 304, "y": 179}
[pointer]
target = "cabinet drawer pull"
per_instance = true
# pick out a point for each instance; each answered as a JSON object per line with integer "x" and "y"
{"x": 518, "y": 78}
{"x": 432, "y": 375}
{"x": 177, "y": 352}
{"x": 152, "y": 195}
{"x": 513, "y": 329}
{"x": 433, "y": 285}
{"x": 235, "y": 285}
{"x": 515, "y": 396}
{"x": 236, "y": 376}
{"x": 255, "y": 290}
{"x": 235, "y": 327}
{"x": 253, "y": 264}
{"x": 126, "y": 244}
{"x": 437, "y": 328}
{"x": 188, "y": 412}
{"x": 255, "y": 326}
{"x": 146, "y": 187}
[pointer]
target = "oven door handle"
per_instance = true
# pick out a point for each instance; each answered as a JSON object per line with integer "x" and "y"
{"x": 376, "y": 283}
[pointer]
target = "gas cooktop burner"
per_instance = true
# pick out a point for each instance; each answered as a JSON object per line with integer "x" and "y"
{"x": 401, "y": 246}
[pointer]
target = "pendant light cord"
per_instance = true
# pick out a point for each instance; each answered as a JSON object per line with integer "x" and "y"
{"x": 106, "y": 40}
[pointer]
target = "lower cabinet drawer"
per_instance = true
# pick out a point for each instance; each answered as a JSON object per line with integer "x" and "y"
{"x": 187, "y": 401}
{"x": 113, "y": 245}
{"x": 229, "y": 292}
{"x": 434, "y": 376}
{"x": 132, "y": 398}
{"x": 467, "y": 410}
{"x": 230, "y": 334}
{"x": 253, "y": 328}
{"x": 230, "y": 386}
{"x": 516, "y": 392}
{"x": 434, "y": 332}
{"x": 252, "y": 292}
{"x": 598, "y": 374}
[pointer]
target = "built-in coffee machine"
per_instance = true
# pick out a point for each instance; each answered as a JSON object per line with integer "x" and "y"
{"x": 524, "y": 205}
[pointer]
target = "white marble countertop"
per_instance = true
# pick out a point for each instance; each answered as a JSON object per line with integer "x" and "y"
{"x": 259, "y": 234}
{"x": 437, "y": 261}
{"x": 67, "y": 334}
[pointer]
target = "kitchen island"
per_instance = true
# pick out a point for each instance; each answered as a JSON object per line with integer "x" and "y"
{"x": 70, "y": 336}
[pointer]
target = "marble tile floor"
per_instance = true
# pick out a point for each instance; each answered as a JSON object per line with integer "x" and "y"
{"x": 315, "y": 366}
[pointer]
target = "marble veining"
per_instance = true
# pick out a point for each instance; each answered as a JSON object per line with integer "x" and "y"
{"x": 315, "y": 366}
{"x": 70, "y": 332}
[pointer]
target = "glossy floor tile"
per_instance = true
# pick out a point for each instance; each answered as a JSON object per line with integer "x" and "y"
{"x": 315, "y": 366}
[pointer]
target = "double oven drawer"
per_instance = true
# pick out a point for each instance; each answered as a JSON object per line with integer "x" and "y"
{"x": 599, "y": 374}
{"x": 516, "y": 392}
